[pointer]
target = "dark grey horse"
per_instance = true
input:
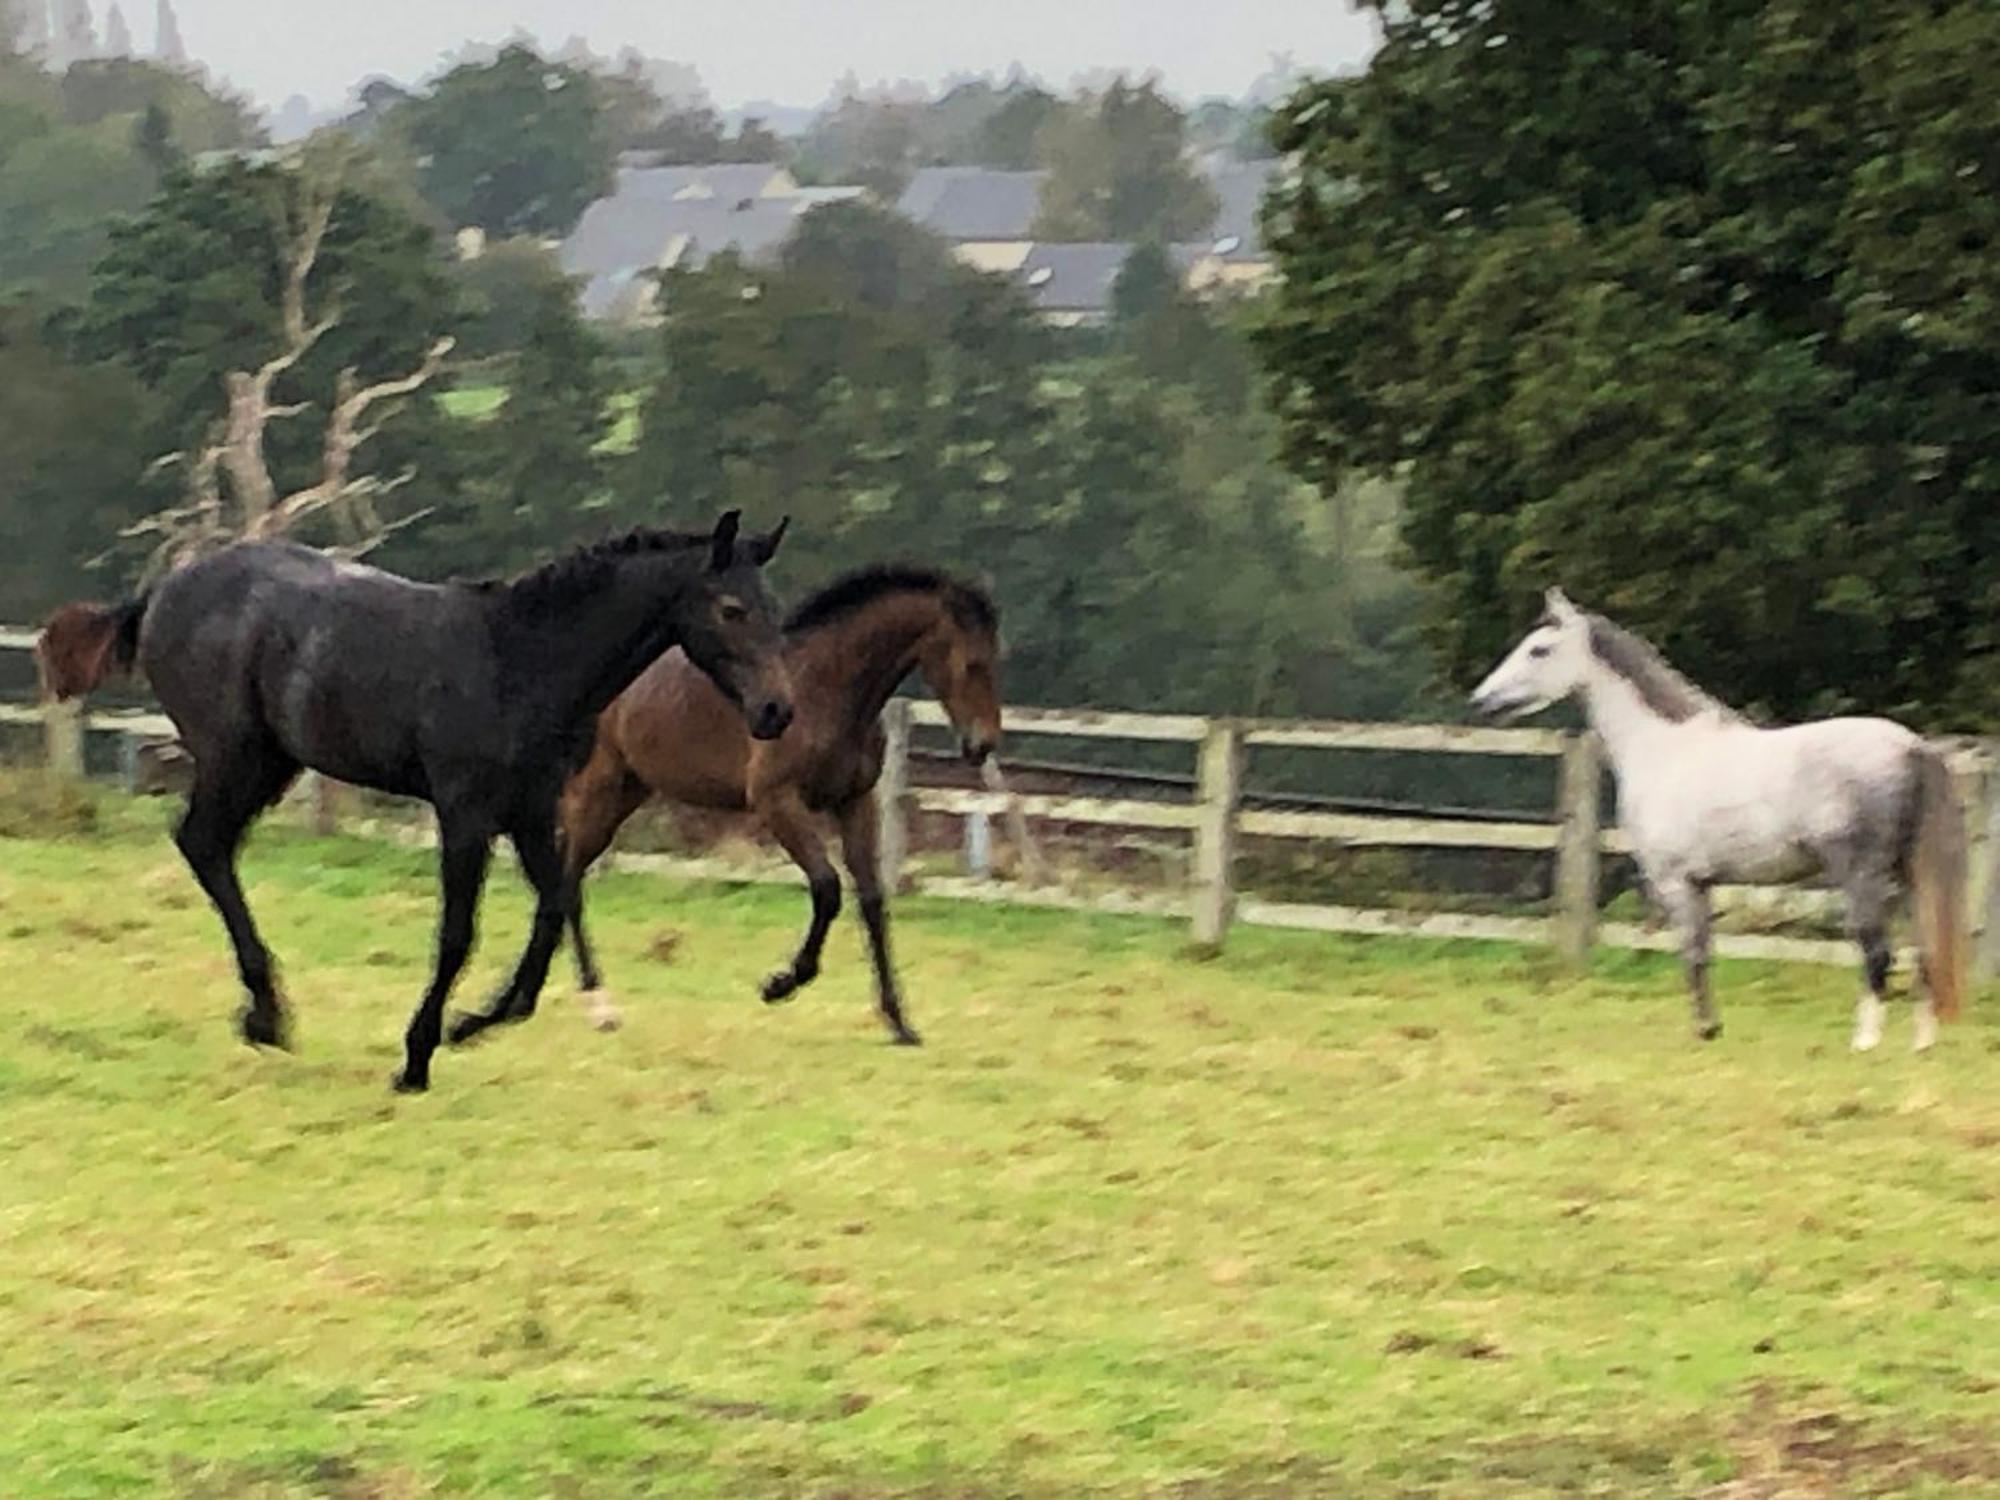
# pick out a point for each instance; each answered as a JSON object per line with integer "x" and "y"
{"x": 478, "y": 698}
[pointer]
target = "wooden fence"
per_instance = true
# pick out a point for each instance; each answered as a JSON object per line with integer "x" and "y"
{"x": 1216, "y": 819}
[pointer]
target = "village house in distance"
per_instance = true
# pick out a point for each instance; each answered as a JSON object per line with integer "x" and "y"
{"x": 663, "y": 218}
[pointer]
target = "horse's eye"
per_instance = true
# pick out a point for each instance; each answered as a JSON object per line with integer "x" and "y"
{"x": 732, "y": 612}
{"x": 1538, "y": 652}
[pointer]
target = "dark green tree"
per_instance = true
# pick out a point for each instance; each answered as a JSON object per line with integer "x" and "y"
{"x": 520, "y": 145}
{"x": 1118, "y": 170}
{"x": 72, "y": 450}
{"x": 532, "y": 478}
{"x": 1009, "y": 137}
{"x": 194, "y": 289}
{"x": 1688, "y": 305}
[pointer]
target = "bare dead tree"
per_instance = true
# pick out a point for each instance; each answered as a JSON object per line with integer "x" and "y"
{"x": 249, "y": 506}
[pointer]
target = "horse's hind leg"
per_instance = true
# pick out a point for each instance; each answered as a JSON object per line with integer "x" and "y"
{"x": 595, "y": 806}
{"x": 227, "y": 795}
{"x": 1687, "y": 903}
{"x": 860, "y": 848}
{"x": 1868, "y": 925}
{"x": 791, "y": 824}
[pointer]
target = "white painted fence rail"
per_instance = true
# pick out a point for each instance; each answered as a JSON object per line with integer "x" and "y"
{"x": 1216, "y": 821}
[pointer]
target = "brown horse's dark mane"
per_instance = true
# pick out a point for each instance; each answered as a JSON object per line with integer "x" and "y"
{"x": 968, "y": 603}
{"x": 561, "y": 580}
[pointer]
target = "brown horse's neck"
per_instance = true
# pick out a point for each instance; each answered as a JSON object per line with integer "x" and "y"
{"x": 863, "y": 655}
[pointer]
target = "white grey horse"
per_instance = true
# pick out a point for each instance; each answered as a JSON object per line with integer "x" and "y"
{"x": 1705, "y": 796}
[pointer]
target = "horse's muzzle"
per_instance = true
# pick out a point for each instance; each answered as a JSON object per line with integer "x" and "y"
{"x": 770, "y": 720}
{"x": 976, "y": 752}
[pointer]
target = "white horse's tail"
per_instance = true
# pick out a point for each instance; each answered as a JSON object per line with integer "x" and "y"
{"x": 1937, "y": 883}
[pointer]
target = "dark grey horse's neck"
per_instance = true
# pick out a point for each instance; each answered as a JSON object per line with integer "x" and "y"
{"x": 563, "y": 667}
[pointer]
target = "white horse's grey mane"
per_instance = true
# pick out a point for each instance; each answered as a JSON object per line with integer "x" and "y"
{"x": 1665, "y": 691}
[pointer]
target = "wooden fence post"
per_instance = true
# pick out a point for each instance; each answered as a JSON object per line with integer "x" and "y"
{"x": 892, "y": 795}
{"x": 1219, "y": 790}
{"x": 1982, "y": 853}
{"x": 326, "y": 800}
{"x": 1577, "y": 856}
{"x": 62, "y": 735}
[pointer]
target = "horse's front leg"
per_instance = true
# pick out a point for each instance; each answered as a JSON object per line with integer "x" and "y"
{"x": 467, "y": 848}
{"x": 535, "y": 842}
{"x": 860, "y": 848}
{"x": 1686, "y": 902}
{"x": 791, "y": 823}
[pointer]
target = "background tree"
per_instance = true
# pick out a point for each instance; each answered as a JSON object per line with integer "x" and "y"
{"x": 1008, "y": 138}
{"x": 1118, "y": 170}
{"x": 1687, "y": 305}
{"x": 516, "y": 146}
{"x": 532, "y": 477}
{"x": 195, "y": 293}
{"x": 79, "y": 151}
{"x": 72, "y": 447}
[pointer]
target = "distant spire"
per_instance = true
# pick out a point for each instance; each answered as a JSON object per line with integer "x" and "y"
{"x": 167, "y": 44}
{"x": 31, "y": 26}
{"x": 117, "y": 35}
{"x": 76, "y": 35}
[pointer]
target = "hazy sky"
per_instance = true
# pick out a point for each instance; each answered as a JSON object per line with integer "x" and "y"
{"x": 786, "y": 50}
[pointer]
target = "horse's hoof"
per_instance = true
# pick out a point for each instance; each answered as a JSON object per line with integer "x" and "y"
{"x": 263, "y": 1028}
{"x": 908, "y": 1038}
{"x": 1865, "y": 1043}
{"x": 607, "y": 1021}
{"x": 1708, "y": 1031}
{"x": 404, "y": 1083}
{"x": 780, "y": 986}
{"x": 465, "y": 1027}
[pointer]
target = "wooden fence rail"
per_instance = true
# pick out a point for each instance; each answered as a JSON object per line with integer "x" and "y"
{"x": 1216, "y": 820}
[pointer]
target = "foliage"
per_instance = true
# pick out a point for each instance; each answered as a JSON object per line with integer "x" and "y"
{"x": 520, "y": 145}
{"x": 202, "y": 118}
{"x": 78, "y": 152}
{"x": 72, "y": 446}
{"x": 532, "y": 474}
{"x": 1326, "y": 1217}
{"x": 194, "y": 289}
{"x": 1124, "y": 503}
{"x": 1689, "y": 305}
{"x": 1009, "y": 138}
{"x": 1118, "y": 170}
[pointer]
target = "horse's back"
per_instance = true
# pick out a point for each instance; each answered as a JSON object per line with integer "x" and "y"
{"x": 1745, "y": 802}
{"x": 331, "y": 659}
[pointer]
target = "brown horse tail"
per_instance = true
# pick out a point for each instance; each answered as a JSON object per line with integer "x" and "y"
{"x": 83, "y": 645}
{"x": 1937, "y": 883}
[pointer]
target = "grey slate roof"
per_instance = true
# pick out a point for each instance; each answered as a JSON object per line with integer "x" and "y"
{"x": 726, "y": 182}
{"x": 1072, "y": 278}
{"x": 622, "y": 237}
{"x": 973, "y": 203}
{"x": 1240, "y": 185}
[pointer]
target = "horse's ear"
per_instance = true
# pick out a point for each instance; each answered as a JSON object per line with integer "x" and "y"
{"x": 722, "y": 546}
{"x": 1558, "y": 604}
{"x": 764, "y": 548}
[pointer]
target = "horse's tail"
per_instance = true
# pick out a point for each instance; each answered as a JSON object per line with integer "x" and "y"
{"x": 1937, "y": 883}
{"x": 83, "y": 645}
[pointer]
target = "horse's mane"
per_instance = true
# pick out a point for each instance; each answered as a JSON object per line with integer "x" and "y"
{"x": 968, "y": 603}
{"x": 564, "y": 579}
{"x": 1664, "y": 690}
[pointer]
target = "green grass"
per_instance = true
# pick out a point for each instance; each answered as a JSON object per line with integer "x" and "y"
{"x": 1319, "y": 1218}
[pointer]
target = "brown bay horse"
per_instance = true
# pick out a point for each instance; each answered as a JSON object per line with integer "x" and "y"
{"x": 671, "y": 734}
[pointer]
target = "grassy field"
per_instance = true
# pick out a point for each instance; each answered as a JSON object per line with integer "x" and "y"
{"x": 1323, "y": 1217}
